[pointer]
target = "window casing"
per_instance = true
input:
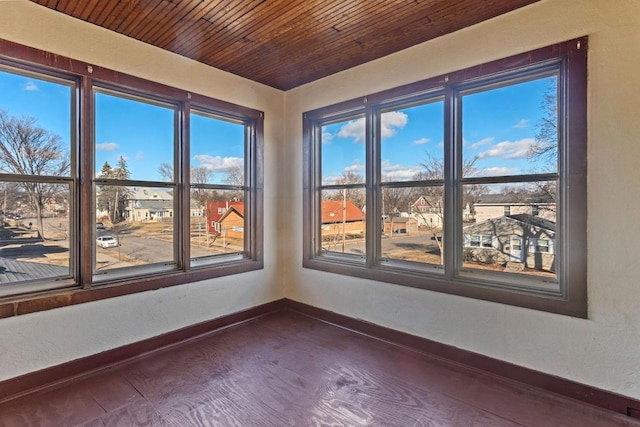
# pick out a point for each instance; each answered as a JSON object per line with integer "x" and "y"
{"x": 490, "y": 259}
{"x": 122, "y": 149}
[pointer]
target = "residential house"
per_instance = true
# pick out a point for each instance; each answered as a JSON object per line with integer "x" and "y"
{"x": 521, "y": 238}
{"x": 342, "y": 218}
{"x": 232, "y": 222}
{"x": 145, "y": 204}
{"x": 495, "y": 205}
{"x": 215, "y": 212}
{"x": 428, "y": 211}
{"x": 400, "y": 225}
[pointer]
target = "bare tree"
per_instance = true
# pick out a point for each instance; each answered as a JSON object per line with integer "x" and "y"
{"x": 433, "y": 169}
{"x": 357, "y": 196}
{"x": 29, "y": 150}
{"x": 545, "y": 147}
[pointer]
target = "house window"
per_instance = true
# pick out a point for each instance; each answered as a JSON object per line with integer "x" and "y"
{"x": 134, "y": 136}
{"x": 219, "y": 179}
{"x": 96, "y": 192}
{"x": 543, "y": 245}
{"x": 37, "y": 179}
{"x": 514, "y": 135}
{"x": 478, "y": 241}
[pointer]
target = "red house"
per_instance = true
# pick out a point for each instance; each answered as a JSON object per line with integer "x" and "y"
{"x": 215, "y": 212}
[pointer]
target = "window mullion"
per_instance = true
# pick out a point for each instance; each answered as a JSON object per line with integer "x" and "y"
{"x": 373, "y": 191}
{"x": 87, "y": 203}
{"x": 452, "y": 168}
{"x": 182, "y": 233}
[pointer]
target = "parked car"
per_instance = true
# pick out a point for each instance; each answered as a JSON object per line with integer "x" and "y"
{"x": 99, "y": 226}
{"x": 107, "y": 242}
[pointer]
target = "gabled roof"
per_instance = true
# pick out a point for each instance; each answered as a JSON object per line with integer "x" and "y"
{"x": 146, "y": 193}
{"x": 515, "y": 199}
{"x": 525, "y": 219}
{"x": 213, "y": 206}
{"x": 239, "y": 210}
{"x": 157, "y": 205}
{"x": 427, "y": 201}
{"x": 400, "y": 219}
{"x": 535, "y": 221}
{"x": 332, "y": 211}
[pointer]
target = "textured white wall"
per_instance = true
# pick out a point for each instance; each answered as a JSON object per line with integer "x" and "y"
{"x": 36, "y": 341}
{"x": 603, "y": 350}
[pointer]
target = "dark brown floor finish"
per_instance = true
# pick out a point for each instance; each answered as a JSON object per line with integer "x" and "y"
{"x": 287, "y": 369}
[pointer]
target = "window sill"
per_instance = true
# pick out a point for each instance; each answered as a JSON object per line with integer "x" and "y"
{"x": 31, "y": 303}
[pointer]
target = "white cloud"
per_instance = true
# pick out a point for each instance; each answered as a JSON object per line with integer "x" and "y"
{"x": 390, "y": 123}
{"x": 355, "y": 167}
{"x": 139, "y": 156}
{"x": 30, "y": 86}
{"x": 218, "y": 163}
{"x": 498, "y": 171}
{"x": 107, "y": 146}
{"x": 522, "y": 124}
{"x": 421, "y": 141}
{"x": 327, "y": 137}
{"x": 398, "y": 172}
{"x": 353, "y": 129}
{"x": 509, "y": 150}
{"x": 482, "y": 142}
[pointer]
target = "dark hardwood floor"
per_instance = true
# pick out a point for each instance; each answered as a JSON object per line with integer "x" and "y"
{"x": 286, "y": 369}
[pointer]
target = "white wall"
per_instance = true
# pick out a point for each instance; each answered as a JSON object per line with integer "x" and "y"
{"x": 604, "y": 350}
{"x": 39, "y": 340}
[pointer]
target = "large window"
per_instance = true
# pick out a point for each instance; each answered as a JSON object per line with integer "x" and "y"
{"x": 107, "y": 179}
{"x": 458, "y": 183}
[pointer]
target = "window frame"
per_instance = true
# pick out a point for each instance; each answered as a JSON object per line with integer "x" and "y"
{"x": 567, "y": 59}
{"x": 37, "y": 295}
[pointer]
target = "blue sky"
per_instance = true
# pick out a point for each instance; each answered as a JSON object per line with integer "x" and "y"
{"x": 143, "y": 134}
{"x": 499, "y": 126}
{"x": 140, "y": 132}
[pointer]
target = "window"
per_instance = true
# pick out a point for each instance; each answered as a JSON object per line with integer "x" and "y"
{"x": 37, "y": 182}
{"x": 443, "y": 184}
{"x": 478, "y": 241}
{"x": 98, "y": 192}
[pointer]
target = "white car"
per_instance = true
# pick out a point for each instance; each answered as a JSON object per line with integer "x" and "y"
{"x": 107, "y": 241}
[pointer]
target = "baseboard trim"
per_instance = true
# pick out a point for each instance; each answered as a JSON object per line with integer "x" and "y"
{"x": 69, "y": 371}
{"x": 567, "y": 388}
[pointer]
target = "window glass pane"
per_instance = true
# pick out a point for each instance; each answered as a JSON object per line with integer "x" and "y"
{"x": 511, "y": 130}
{"x": 513, "y": 243}
{"x": 343, "y": 152}
{"x": 139, "y": 134}
{"x": 134, "y": 226}
{"x": 412, "y": 224}
{"x": 217, "y": 222}
{"x": 343, "y": 223}
{"x": 412, "y": 143}
{"x": 217, "y": 150}
{"x": 35, "y": 126}
{"x": 34, "y": 241}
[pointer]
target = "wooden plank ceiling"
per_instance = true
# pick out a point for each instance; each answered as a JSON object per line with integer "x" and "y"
{"x": 284, "y": 43}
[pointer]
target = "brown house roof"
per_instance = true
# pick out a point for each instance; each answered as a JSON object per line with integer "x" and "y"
{"x": 332, "y": 211}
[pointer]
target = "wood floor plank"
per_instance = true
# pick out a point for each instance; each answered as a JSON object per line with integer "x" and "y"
{"x": 287, "y": 369}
